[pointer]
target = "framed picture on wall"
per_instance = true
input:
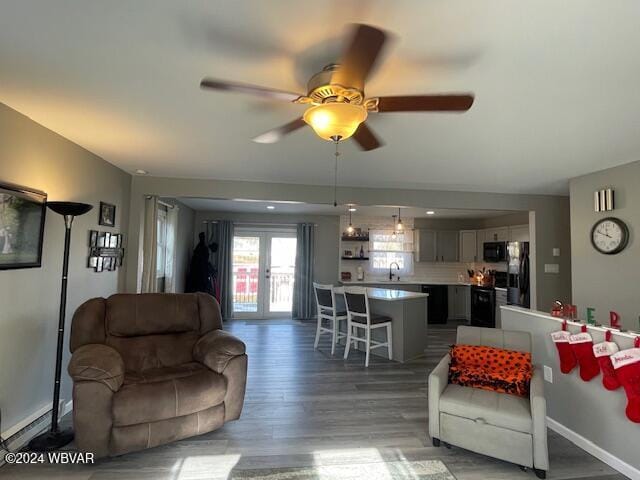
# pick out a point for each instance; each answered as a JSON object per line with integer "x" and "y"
{"x": 22, "y": 215}
{"x": 113, "y": 243}
{"x": 99, "y": 264}
{"x": 93, "y": 238}
{"x": 107, "y": 215}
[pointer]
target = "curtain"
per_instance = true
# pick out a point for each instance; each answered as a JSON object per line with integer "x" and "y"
{"x": 224, "y": 265}
{"x": 170, "y": 260}
{"x": 303, "y": 296}
{"x": 150, "y": 245}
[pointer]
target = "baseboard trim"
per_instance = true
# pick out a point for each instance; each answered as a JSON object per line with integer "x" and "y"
{"x": 22, "y": 432}
{"x": 598, "y": 452}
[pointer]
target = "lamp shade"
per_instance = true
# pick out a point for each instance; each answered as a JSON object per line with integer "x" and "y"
{"x": 335, "y": 120}
{"x": 69, "y": 208}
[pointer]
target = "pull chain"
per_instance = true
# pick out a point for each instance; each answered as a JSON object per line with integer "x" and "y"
{"x": 335, "y": 176}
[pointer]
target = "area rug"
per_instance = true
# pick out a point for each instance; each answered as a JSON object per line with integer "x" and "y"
{"x": 420, "y": 470}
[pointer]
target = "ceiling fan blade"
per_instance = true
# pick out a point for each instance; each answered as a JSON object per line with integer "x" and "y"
{"x": 276, "y": 134}
{"x": 360, "y": 57}
{"x": 223, "y": 85}
{"x": 426, "y": 103}
{"x": 366, "y": 139}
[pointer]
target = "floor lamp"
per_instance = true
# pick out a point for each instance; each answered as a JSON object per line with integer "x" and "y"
{"x": 55, "y": 438}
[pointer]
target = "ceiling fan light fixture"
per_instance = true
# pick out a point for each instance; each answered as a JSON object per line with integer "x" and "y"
{"x": 335, "y": 120}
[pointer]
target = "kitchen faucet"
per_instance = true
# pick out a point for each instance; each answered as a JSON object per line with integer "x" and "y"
{"x": 391, "y": 275}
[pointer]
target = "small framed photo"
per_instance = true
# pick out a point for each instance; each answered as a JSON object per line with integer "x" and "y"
{"x": 107, "y": 240}
{"x": 113, "y": 264}
{"x": 93, "y": 262}
{"x": 107, "y": 215}
{"x": 100, "y": 264}
{"x": 93, "y": 238}
{"x": 113, "y": 243}
{"x": 106, "y": 264}
{"x": 120, "y": 240}
{"x": 102, "y": 238}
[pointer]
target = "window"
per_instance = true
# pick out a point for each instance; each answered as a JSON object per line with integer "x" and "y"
{"x": 165, "y": 253}
{"x": 386, "y": 248}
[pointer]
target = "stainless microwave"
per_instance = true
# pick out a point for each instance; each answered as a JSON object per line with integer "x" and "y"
{"x": 495, "y": 252}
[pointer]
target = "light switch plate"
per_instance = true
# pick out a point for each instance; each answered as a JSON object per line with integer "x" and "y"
{"x": 556, "y": 252}
{"x": 551, "y": 268}
{"x": 548, "y": 374}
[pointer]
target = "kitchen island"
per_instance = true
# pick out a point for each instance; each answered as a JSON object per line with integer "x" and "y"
{"x": 408, "y": 311}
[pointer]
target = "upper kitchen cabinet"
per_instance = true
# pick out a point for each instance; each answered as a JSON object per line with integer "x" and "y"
{"x": 500, "y": 234}
{"x": 519, "y": 233}
{"x": 468, "y": 246}
{"x": 436, "y": 245}
{"x": 447, "y": 246}
{"x": 425, "y": 245}
{"x": 479, "y": 245}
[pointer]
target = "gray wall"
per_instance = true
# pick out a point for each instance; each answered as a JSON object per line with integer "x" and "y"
{"x": 326, "y": 236}
{"x": 551, "y": 215}
{"x": 584, "y": 407}
{"x": 33, "y": 156}
{"x": 606, "y": 282}
{"x": 184, "y": 242}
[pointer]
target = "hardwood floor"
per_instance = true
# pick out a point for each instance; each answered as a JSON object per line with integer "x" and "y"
{"x": 304, "y": 407}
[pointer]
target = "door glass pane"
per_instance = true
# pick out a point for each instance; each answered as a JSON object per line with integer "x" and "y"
{"x": 246, "y": 263}
{"x": 283, "y": 262}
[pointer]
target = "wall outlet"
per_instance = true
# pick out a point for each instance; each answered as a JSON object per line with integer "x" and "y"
{"x": 548, "y": 374}
{"x": 551, "y": 268}
{"x": 556, "y": 252}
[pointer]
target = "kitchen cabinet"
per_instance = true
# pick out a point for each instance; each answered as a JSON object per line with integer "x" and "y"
{"x": 447, "y": 245}
{"x": 436, "y": 245}
{"x": 425, "y": 245}
{"x": 500, "y": 234}
{"x": 480, "y": 245}
{"x": 501, "y": 300}
{"x": 459, "y": 302}
{"x": 468, "y": 246}
{"x": 519, "y": 233}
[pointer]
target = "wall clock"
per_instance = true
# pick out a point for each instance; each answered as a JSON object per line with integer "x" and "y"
{"x": 609, "y": 235}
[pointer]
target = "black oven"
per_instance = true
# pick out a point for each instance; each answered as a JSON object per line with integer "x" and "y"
{"x": 483, "y": 307}
{"x": 495, "y": 252}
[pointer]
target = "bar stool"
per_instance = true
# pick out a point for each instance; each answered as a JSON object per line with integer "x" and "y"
{"x": 359, "y": 316}
{"x": 327, "y": 310}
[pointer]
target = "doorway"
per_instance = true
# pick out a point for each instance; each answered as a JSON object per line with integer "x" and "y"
{"x": 263, "y": 273}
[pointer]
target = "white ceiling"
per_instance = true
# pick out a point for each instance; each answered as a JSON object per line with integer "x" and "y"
{"x": 555, "y": 84}
{"x": 252, "y": 206}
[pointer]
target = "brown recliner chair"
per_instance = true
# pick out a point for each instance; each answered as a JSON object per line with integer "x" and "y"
{"x": 150, "y": 369}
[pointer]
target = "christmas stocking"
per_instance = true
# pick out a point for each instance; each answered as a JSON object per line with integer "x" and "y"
{"x": 568, "y": 360}
{"x": 627, "y": 367}
{"x": 582, "y": 346}
{"x": 603, "y": 352}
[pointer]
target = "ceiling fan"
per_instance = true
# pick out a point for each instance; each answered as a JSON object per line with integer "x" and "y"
{"x": 336, "y": 97}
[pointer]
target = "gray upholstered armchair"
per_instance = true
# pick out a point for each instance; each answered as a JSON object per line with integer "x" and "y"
{"x": 500, "y": 425}
{"x": 151, "y": 369}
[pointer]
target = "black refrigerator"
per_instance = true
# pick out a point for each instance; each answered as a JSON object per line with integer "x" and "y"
{"x": 518, "y": 280}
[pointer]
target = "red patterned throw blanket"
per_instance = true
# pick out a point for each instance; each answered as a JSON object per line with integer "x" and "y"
{"x": 489, "y": 368}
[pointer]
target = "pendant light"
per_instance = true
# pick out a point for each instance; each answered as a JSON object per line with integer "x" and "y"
{"x": 399, "y": 225}
{"x": 350, "y": 227}
{"x": 393, "y": 234}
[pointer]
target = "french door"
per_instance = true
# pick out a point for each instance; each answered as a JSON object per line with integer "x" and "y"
{"x": 263, "y": 272}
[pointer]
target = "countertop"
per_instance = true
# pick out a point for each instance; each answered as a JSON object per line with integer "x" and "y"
{"x": 393, "y": 295}
{"x": 401, "y": 282}
{"x": 388, "y": 295}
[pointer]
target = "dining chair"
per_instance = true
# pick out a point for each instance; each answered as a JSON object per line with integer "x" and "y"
{"x": 328, "y": 310}
{"x": 359, "y": 317}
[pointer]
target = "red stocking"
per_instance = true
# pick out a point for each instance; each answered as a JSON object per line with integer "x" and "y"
{"x": 627, "y": 366}
{"x": 582, "y": 345}
{"x": 568, "y": 359}
{"x": 603, "y": 352}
